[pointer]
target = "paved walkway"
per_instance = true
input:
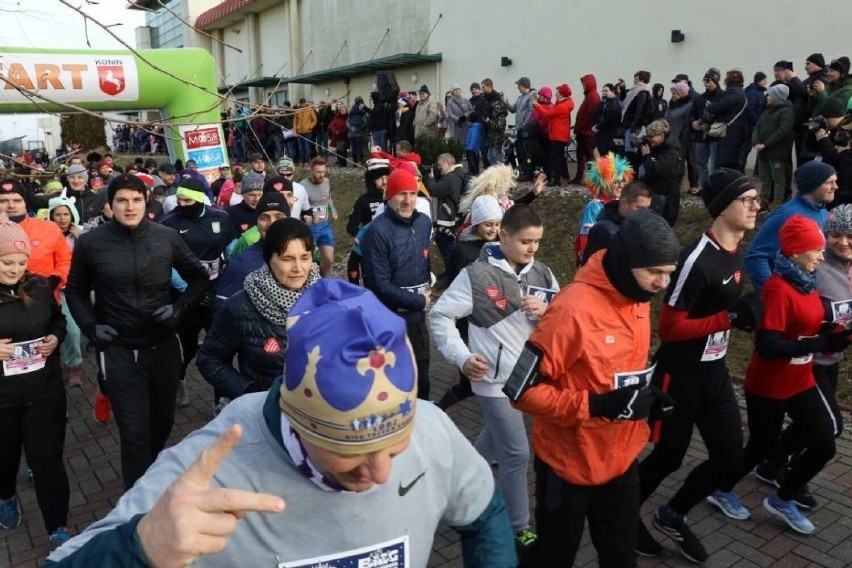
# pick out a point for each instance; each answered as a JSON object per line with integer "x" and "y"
{"x": 91, "y": 452}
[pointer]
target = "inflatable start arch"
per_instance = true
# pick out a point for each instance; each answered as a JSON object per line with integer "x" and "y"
{"x": 121, "y": 81}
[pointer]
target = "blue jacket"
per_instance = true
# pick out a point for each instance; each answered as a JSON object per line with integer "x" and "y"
{"x": 231, "y": 280}
{"x": 755, "y": 95}
{"x": 395, "y": 262}
{"x": 239, "y": 329}
{"x": 766, "y": 243}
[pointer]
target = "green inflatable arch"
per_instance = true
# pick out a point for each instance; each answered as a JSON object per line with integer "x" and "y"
{"x": 181, "y": 83}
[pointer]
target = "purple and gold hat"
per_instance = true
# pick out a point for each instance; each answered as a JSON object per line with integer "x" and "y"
{"x": 350, "y": 379}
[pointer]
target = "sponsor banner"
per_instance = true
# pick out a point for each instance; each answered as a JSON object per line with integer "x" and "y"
{"x": 204, "y": 144}
{"x": 69, "y": 78}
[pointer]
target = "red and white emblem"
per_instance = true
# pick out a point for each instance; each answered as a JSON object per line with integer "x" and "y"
{"x": 502, "y": 303}
{"x": 426, "y": 253}
{"x": 737, "y": 276}
{"x": 151, "y": 215}
{"x": 111, "y": 79}
{"x": 271, "y": 346}
{"x": 492, "y": 292}
{"x": 19, "y": 245}
{"x": 35, "y": 243}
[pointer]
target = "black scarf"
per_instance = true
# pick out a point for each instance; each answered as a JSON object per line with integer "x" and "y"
{"x": 619, "y": 273}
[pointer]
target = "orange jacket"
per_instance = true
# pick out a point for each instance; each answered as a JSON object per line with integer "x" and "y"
{"x": 51, "y": 255}
{"x": 589, "y": 333}
{"x": 305, "y": 120}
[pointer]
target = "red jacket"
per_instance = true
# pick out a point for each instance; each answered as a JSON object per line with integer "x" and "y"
{"x": 591, "y": 100}
{"x": 559, "y": 119}
{"x": 394, "y": 161}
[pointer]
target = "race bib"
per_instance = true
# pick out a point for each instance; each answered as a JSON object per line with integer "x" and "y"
{"x": 804, "y": 359}
{"x": 25, "y": 359}
{"x": 320, "y": 213}
{"x": 842, "y": 312}
{"x": 716, "y": 346}
{"x": 634, "y": 378}
{"x": 390, "y": 554}
{"x": 419, "y": 289}
{"x": 544, "y": 294}
{"x": 212, "y": 267}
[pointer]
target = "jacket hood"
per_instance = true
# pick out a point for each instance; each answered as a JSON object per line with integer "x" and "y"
{"x": 589, "y": 83}
{"x": 592, "y": 273}
{"x": 493, "y": 254}
{"x": 610, "y": 211}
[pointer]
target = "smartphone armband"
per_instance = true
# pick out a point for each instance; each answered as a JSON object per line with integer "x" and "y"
{"x": 525, "y": 373}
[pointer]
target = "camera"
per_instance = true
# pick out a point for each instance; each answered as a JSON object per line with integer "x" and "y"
{"x": 816, "y": 123}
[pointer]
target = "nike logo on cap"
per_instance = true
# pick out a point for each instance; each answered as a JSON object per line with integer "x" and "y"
{"x": 404, "y": 489}
{"x": 728, "y": 279}
{"x": 182, "y": 231}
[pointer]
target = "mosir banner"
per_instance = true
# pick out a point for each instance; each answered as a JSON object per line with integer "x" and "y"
{"x": 69, "y": 78}
{"x": 203, "y": 143}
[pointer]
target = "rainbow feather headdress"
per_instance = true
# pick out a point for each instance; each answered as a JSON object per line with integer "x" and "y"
{"x": 601, "y": 173}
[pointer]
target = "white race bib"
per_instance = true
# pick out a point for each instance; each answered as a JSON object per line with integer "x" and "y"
{"x": 634, "y": 378}
{"x": 212, "y": 267}
{"x": 320, "y": 213}
{"x": 544, "y": 294}
{"x": 804, "y": 359}
{"x": 390, "y": 554}
{"x": 716, "y": 346}
{"x": 841, "y": 312}
{"x": 419, "y": 289}
{"x": 25, "y": 359}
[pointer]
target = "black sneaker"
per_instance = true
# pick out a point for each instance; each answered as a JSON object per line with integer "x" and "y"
{"x": 767, "y": 472}
{"x": 646, "y": 544}
{"x": 674, "y": 526}
{"x": 804, "y": 498}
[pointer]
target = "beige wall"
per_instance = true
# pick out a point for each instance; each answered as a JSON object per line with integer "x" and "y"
{"x": 236, "y": 64}
{"x": 275, "y": 41}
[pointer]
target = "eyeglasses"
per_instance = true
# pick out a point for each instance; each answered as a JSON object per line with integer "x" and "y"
{"x": 748, "y": 200}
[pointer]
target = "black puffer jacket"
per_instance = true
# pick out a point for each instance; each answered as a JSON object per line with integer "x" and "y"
{"x": 663, "y": 173}
{"x": 130, "y": 272}
{"x": 239, "y": 329}
{"x": 21, "y": 321}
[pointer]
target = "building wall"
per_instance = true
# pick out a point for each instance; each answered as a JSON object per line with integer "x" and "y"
{"x": 236, "y": 64}
{"x": 274, "y": 42}
{"x": 364, "y": 85}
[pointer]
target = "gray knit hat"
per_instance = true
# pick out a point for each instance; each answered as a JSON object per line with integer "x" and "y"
{"x": 77, "y": 170}
{"x": 778, "y": 92}
{"x": 839, "y": 220}
{"x": 253, "y": 181}
{"x": 648, "y": 240}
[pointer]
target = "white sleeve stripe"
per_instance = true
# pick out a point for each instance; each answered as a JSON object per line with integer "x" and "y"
{"x": 687, "y": 268}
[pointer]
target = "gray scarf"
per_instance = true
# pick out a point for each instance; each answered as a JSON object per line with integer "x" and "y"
{"x": 271, "y": 299}
{"x": 634, "y": 90}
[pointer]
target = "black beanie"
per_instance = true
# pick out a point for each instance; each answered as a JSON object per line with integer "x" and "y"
{"x": 272, "y": 201}
{"x": 277, "y": 184}
{"x": 644, "y": 240}
{"x": 723, "y": 186}
{"x": 282, "y": 232}
{"x": 816, "y": 59}
{"x": 841, "y": 65}
{"x": 832, "y": 108}
{"x": 11, "y": 185}
{"x": 126, "y": 181}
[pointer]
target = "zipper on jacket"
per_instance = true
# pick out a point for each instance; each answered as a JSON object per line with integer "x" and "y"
{"x": 499, "y": 355}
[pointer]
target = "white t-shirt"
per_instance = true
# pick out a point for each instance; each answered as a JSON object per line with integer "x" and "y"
{"x": 302, "y": 202}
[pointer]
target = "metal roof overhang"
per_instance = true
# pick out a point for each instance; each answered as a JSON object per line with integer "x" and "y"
{"x": 364, "y": 67}
{"x": 261, "y": 82}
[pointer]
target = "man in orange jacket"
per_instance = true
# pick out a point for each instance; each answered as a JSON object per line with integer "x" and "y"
{"x": 590, "y": 407}
{"x": 51, "y": 255}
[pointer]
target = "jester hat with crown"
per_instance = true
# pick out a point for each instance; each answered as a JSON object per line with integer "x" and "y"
{"x": 350, "y": 380}
{"x": 602, "y": 172}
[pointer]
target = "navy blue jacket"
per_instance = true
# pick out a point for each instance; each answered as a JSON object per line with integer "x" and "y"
{"x": 231, "y": 280}
{"x": 395, "y": 257}
{"x": 239, "y": 329}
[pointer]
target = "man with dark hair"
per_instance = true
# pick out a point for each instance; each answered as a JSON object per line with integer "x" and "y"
{"x": 635, "y": 196}
{"x": 321, "y": 207}
{"x": 447, "y": 190}
{"x": 133, "y": 321}
{"x": 591, "y": 403}
{"x": 638, "y": 112}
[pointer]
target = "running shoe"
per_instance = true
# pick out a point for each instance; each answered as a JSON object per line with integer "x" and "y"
{"x": 182, "y": 399}
{"x": 788, "y": 512}
{"x": 767, "y": 472}
{"x": 59, "y": 537}
{"x": 674, "y": 526}
{"x": 730, "y": 504}
{"x": 101, "y": 410}
{"x": 10, "y": 513}
{"x": 647, "y": 545}
{"x": 804, "y": 498}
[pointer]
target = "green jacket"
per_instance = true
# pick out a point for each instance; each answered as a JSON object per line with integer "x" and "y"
{"x": 775, "y": 130}
{"x": 841, "y": 91}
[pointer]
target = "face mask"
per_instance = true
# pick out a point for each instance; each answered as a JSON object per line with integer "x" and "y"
{"x": 193, "y": 210}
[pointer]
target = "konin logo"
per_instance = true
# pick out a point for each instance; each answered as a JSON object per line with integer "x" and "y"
{"x": 111, "y": 79}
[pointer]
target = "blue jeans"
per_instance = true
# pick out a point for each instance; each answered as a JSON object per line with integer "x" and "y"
{"x": 705, "y": 158}
{"x": 357, "y": 143}
{"x": 305, "y": 147}
{"x": 292, "y": 148}
{"x": 494, "y": 155}
{"x": 322, "y": 143}
{"x": 380, "y": 138}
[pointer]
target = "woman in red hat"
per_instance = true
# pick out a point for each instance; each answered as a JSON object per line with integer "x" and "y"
{"x": 780, "y": 377}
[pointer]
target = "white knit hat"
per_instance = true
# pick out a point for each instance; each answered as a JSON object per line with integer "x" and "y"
{"x": 485, "y": 208}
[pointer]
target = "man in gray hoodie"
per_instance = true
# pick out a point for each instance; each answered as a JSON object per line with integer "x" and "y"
{"x": 523, "y": 110}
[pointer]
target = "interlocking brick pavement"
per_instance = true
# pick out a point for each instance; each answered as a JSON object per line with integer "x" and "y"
{"x": 92, "y": 459}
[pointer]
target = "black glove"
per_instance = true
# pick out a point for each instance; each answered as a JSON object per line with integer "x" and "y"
{"x": 54, "y": 281}
{"x": 628, "y": 403}
{"x": 835, "y": 341}
{"x": 663, "y": 405}
{"x": 462, "y": 119}
{"x": 747, "y": 312}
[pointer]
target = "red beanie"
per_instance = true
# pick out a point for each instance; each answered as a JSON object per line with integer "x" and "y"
{"x": 800, "y": 234}
{"x": 564, "y": 90}
{"x": 400, "y": 180}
